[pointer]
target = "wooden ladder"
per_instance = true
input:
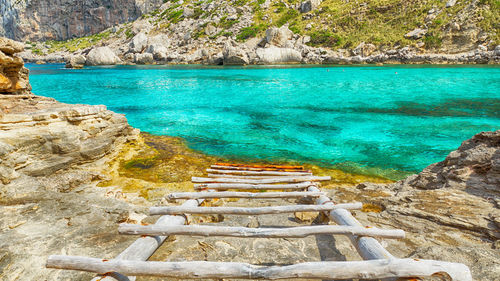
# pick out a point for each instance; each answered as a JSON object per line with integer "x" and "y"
{"x": 292, "y": 182}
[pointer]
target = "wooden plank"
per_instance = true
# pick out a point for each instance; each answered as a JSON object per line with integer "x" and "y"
{"x": 261, "y": 166}
{"x": 142, "y": 248}
{"x": 373, "y": 269}
{"x": 248, "y": 186}
{"x": 246, "y": 232}
{"x": 257, "y": 173}
{"x": 235, "y": 194}
{"x": 368, "y": 248}
{"x": 241, "y": 177}
{"x": 258, "y": 181}
{"x": 175, "y": 210}
{"x": 257, "y": 169}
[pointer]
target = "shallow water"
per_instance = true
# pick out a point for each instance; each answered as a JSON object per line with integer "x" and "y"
{"x": 375, "y": 120}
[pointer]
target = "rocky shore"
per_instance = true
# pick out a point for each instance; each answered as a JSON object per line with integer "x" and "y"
{"x": 70, "y": 173}
{"x": 242, "y": 32}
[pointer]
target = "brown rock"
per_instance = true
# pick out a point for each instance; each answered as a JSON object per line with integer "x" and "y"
{"x": 13, "y": 76}
{"x": 10, "y": 47}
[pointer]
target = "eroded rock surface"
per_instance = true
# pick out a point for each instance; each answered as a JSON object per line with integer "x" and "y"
{"x": 13, "y": 74}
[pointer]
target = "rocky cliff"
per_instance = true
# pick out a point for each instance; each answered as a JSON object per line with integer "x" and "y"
{"x": 63, "y": 19}
{"x": 13, "y": 74}
{"x": 272, "y": 31}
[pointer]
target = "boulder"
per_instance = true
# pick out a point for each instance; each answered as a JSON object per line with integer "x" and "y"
{"x": 274, "y": 55}
{"x": 278, "y": 36}
{"x": 364, "y": 49}
{"x": 497, "y": 50}
{"x": 145, "y": 58}
{"x": 188, "y": 12}
{"x": 234, "y": 55}
{"x": 76, "y": 61}
{"x": 13, "y": 74}
{"x": 309, "y": 5}
{"x": 210, "y": 30}
{"x": 10, "y": 47}
{"x": 417, "y": 33}
{"x": 138, "y": 43}
{"x": 102, "y": 56}
{"x": 158, "y": 51}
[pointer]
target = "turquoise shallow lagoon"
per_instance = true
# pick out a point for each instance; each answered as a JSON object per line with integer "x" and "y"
{"x": 366, "y": 119}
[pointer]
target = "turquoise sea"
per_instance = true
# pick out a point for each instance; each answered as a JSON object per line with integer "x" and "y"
{"x": 367, "y": 119}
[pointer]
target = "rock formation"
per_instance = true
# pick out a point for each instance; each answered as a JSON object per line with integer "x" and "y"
{"x": 102, "y": 56}
{"x": 13, "y": 74}
{"x": 65, "y": 19}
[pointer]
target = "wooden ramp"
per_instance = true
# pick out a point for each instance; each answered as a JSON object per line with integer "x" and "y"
{"x": 378, "y": 263}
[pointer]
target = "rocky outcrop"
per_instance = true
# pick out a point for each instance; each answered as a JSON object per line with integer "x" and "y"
{"x": 274, "y": 55}
{"x": 65, "y": 19}
{"x": 76, "y": 61}
{"x": 234, "y": 54}
{"x": 474, "y": 168}
{"x": 102, "y": 56}
{"x": 13, "y": 75}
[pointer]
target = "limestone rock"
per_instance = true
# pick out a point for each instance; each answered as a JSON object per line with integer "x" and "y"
{"x": 13, "y": 75}
{"x": 278, "y": 36}
{"x": 10, "y": 47}
{"x": 139, "y": 43}
{"x": 275, "y": 55}
{"x": 309, "y": 5}
{"x": 497, "y": 50}
{"x": 417, "y": 33}
{"x": 451, "y": 3}
{"x": 146, "y": 58}
{"x": 188, "y": 12}
{"x": 364, "y": 49}
{"x": 76, "y": 61}
{"x": 234, "y": 55}
{"x": 102, "y": 56}
{"x": 473, "y": 167}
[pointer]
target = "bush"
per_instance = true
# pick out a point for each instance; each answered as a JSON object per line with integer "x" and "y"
{"x": 288, "y": 15}
{"x": 324, "y": 38}
{"x": 250, "y": 32}
{"x": 431, "y": 41}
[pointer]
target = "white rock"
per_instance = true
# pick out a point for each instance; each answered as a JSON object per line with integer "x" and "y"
{"x": 451, "y": 3}
{"x": 234, "y": 55}
{"x": 497, "y": 50}
{"x": 309, "y": 5}
{"x": 139, "y": 43}
{"x": 145, "y": 58}
{"x": 275, "y": 55}
{"x": 417, "y": 33}
{"x": 278, "y": 36}
{"x": 102, "y": 56}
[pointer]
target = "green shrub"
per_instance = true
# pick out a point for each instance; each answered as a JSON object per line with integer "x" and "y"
{"x": 324, "y": 38}
{"x": 288, "y": 15}
{"x": 250, "y": 32}
{"x": 432, "y": 41}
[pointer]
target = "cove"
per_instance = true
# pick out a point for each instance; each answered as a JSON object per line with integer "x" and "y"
{"x": 387, "y": 121}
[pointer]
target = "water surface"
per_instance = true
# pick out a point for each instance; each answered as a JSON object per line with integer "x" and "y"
{"x": 367, "y": 119}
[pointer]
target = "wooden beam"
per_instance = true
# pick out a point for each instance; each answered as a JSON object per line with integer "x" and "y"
{"x": 261, "y": 166}
{"x": 144, "y": 247}
{"x": 373, "y": 269}
{"x": 258, "y": 181}
{"x": 257, "y": 169}
{"x": 257, "y": 173}
{"x": 241, "y": 176}
{"x": 235, "y": 194}
{"x": 248, "y": 186}
{"x": 368, "y": 248}
{"x": 175, "y": 210}
{"x": 231, "y": 231}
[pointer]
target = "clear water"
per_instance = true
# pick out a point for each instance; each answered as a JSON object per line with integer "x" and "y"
{"x": 364, "y": 119}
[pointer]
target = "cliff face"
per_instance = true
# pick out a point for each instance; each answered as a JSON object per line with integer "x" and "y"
{"x": 63, "y": 19}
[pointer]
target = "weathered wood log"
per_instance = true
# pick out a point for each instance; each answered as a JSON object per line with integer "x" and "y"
{"x": 241, "y": 176}
{"x": 257, "y": 169}
{"x": 144, "y": 247}
{"x": 368, "y": 248}
{"x": 175, "y": 210}
{"x": 248, "y": 186}
{"x": 235, "y": 194}
{"x": 261, "y": 166}
{"x": 257, "y": 181}
{"x": 373, "y": 269}
{"x": 231, "y": 231}
{"x": 257, "y": 173}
